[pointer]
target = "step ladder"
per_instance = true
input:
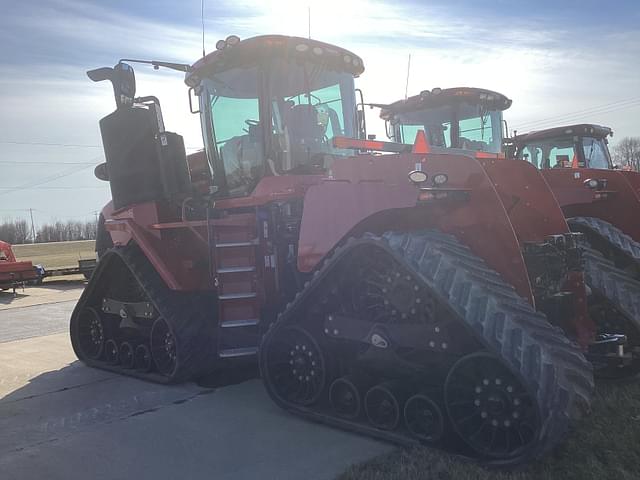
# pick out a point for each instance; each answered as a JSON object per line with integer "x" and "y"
{"x": 236, "y": 255}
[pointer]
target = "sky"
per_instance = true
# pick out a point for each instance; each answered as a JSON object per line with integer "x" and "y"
{"x": 560, "y": 62}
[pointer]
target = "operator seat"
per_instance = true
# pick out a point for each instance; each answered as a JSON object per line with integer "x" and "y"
{"x": 306, "y": 136}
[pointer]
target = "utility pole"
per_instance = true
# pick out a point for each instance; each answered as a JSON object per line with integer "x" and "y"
{"x": 33, "y": 228}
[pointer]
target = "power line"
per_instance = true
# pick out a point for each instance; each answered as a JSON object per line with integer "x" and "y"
{"x": 47, "y": 144}
{"x": 44, "y": 180}
{"x": 21, "y": 163}
{"x": 70, "y": 145}
{"x": 598, "y": 110}
{"x": 84, "y": 187}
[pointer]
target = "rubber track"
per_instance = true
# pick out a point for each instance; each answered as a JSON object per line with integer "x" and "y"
{"x": 551, "y": 367}
{"x": 616, "y": 237}
{"x": 614, "y": 284}
{"x": 185, "y": 313}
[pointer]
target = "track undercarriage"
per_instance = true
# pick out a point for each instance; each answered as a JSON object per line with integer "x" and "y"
{"x": 128, "y": 321}
{"x": 412, "y": 339}
{"x": 612, "y": 272}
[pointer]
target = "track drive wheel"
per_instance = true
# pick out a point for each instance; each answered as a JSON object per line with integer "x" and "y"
{"x": 489, "y": 408}
{"x": 295, "y": 367}
{"x": 164, "y": 347}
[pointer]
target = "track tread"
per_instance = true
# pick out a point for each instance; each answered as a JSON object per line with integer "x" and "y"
{"x": 614, "y": 284}
{"x": 609, "y": 232}
{"x": 550, "y": 365}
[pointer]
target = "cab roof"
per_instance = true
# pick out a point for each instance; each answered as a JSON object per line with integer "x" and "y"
{"x": 248, "y": 52}
{"x": 446, "y": 96}
{"x": 584, "y": 129}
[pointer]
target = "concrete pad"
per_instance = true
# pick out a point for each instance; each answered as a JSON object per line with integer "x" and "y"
{"x": 49, "y": 292}
{"x": 35, "y": 321}
{"x": 61, "y": 420}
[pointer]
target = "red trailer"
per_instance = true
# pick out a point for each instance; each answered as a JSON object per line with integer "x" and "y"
{"x": 12, "y": 272}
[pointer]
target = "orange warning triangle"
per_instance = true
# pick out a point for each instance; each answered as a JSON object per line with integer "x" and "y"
{"x": 421, "y": 145}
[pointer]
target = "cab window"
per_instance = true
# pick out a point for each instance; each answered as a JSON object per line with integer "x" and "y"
{"x": 595, "y": 153}
{"x": 553, "y": 153}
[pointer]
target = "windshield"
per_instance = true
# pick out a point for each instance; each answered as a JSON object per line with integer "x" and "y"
{"x": 467, "y": 126}
{"x": 561, "y": 153}
{"x": 280, "y": 118}
{"x": 596, "y": 153}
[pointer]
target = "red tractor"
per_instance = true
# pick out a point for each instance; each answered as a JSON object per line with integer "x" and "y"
{"x": 12, "y": 272}
{"x": 469, "y": 120}
{"x": 388, "y": 294}
{"x": 602, "y": 203}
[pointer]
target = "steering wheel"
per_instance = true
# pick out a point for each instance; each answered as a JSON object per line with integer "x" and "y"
{"x": 250, "y": 123}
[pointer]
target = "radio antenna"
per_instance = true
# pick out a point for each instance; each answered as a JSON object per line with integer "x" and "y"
{"x": 406, "y": 87}
{"x": 309, "y": 20}
{"x": 202, "y": 19}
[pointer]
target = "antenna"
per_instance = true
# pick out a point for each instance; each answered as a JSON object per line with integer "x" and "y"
{"x": 202, "y": 19}
{"x": 406, "y": 87}
{"x": 309, "y": 19}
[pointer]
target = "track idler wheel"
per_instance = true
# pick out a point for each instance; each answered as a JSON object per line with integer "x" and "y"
{"x": 424, "y": 419}
{"x": 295, "y": 367}
{"x": 383, "y": 405}
{"x": 91, "y": 333}
{"x": 111, "y": 352}
{"x": 163, "y": 347}
{"x": 142, "y": 359}
{"x": 125, "y": 355}
{"x": 489, "y": 407}
{"x": 345, "y": 395}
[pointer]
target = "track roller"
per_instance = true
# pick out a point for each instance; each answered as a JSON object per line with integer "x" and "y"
{"x": 345, "y": 395}
{"x": 424, "y": 418}
{"x": 125, "y": 355}
{"x": 383, "y": 405}
{"x": 111, "y": 352}
{"x": 142, "y": 359}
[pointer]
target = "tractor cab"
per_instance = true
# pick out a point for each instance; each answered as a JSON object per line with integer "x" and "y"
{"x": 574, "y": 146}
{"x": 271, "y": 105}
{"x": 458, "y": 118}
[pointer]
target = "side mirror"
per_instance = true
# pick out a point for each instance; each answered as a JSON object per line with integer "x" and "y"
{"x": 123, "y": 79}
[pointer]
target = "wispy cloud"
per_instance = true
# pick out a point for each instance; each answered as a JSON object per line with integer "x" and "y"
{"x": 551, "y": 58}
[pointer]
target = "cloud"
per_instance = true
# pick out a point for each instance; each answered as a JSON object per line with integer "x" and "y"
{"x": 550, "y": 60}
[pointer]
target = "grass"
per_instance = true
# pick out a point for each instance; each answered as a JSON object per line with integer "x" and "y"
{"x": 604, "y": 445}
{"x": 57, "y": 254}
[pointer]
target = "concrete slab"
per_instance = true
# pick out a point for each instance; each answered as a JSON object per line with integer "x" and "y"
{"x": 34, "y": 321}
{"x": 49, "y": 292}
{"x": 61, "y": 420}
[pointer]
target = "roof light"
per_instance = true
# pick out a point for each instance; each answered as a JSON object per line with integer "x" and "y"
{"x": 302, "y": 47}
{"x": 347, "y": 58}
{"x": 436, "y": 91}
{"x": 417, "y": 176}
{"x": 232, "y": 40}
{"x": 318, "y": 50}
{"x": 220, "y": 44}
{"x": 356, "y": 62}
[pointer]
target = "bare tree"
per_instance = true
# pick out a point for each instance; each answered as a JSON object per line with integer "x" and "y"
{"x": 627, "y": 153}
